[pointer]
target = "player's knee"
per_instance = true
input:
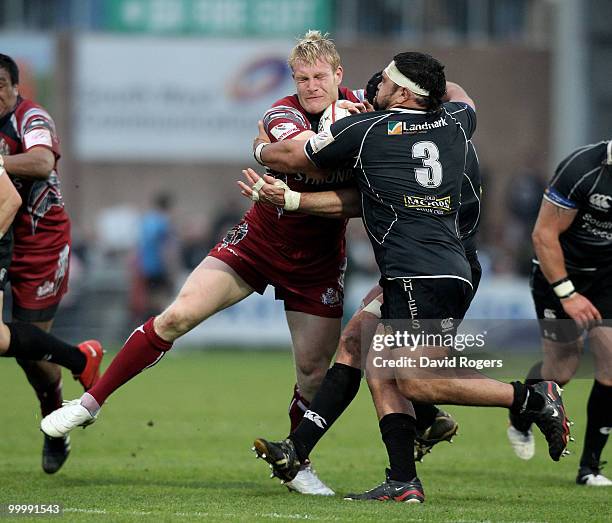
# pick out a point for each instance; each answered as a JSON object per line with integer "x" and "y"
{"x": 312, "y": 372}
{"x": 175, "y": 321}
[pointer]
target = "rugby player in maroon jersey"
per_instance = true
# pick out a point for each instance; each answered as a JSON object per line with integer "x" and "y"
{"x": 37, "y": 266}
{"x": 302, "y": 257}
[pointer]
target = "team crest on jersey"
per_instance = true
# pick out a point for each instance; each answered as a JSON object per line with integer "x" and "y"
{"x": 601, "y": 202}
{"x": 234, "y": 235}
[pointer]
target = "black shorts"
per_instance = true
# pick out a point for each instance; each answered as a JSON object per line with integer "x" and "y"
{"x": 436, "y": 305}
{"x": 555, "y": 324}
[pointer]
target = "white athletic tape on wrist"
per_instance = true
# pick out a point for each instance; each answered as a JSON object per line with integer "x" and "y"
{"x": 1, "y": 161}
{"x": 564, "y": 289}
{"x": 373, "y": 307}
{"x": 400, "y": 79}
{"x": 292, "y": 198}
{"x": 254, "y": 196}
{"x": 257, "y": 152}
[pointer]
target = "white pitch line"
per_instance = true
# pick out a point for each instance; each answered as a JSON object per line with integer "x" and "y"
{"x": 271, "y": 515}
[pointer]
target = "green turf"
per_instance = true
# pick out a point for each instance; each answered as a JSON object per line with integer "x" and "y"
{"x": 174, "y": 445}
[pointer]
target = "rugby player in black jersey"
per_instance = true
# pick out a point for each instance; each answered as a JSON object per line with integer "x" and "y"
{"x": 571, "y": 284}
{"x": 409, "y": 161}
{"x": 433, "y": 424}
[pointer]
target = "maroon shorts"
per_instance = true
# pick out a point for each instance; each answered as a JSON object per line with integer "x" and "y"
{"x": 307, "y": 281}
{"x": 38, "y": 282}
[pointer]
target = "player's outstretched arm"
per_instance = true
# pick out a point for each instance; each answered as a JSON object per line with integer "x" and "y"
{"x": 9, "y": 201}
{"x": 551, "y": 223}
{"x": 287, "y": 156}
{"x": 456, "y": 93}
{"x": 342, "y": 203}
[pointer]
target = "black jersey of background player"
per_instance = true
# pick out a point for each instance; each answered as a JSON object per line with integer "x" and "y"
{"x": 583, "y": 181}
{"x": 409, "y": 166}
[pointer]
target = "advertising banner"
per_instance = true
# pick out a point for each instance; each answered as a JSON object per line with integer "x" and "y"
{"x": 174, "y": 100}
{"x": 218, "y": 17}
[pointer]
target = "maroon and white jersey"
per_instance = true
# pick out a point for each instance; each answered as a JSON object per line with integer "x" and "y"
{"x": 301, "y": 232}
{"x": 41, "y": 222}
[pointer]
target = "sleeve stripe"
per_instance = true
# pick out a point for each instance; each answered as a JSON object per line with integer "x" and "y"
{"x": 558, "y": 204}
{"x": 35, "y": 112}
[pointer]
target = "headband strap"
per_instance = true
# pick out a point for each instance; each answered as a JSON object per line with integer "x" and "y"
{"x": 403, "y": 81}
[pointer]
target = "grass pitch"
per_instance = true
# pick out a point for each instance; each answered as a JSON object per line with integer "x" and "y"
{"x": 174, "y": 445}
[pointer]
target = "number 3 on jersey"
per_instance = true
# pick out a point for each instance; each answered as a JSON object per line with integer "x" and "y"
{"x": 430, "y": 175}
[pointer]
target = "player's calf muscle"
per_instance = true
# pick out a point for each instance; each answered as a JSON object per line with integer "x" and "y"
{"x": 349, "y": 349}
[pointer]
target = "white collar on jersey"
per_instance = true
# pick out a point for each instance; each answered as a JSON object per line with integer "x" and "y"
{"x": 406, "y": 110}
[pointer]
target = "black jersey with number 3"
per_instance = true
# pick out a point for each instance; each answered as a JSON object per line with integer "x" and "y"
{"x": 583, "y": 181}
{"x": 409, "y": 166}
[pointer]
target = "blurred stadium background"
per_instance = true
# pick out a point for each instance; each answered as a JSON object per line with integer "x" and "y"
{"x": 163, "y": 96}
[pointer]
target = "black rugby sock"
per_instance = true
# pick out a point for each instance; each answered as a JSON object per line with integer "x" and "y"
{"x": 535, "y": 374}
{"x": 335, "y": 394}
{"x": 28, "y": 342}
{"x": 398, "y": 432}
{"x": 525, "y": 398}
{"x": 425, "y": 415}
{"x": 599, "y": 416}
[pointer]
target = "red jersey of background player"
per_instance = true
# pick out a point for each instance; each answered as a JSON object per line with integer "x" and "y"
{"x": 41, "y": 223}
{"x": 285, "y": 120}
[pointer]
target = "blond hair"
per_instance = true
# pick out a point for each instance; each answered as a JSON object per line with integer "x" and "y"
{"x": 314, "y": 46}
